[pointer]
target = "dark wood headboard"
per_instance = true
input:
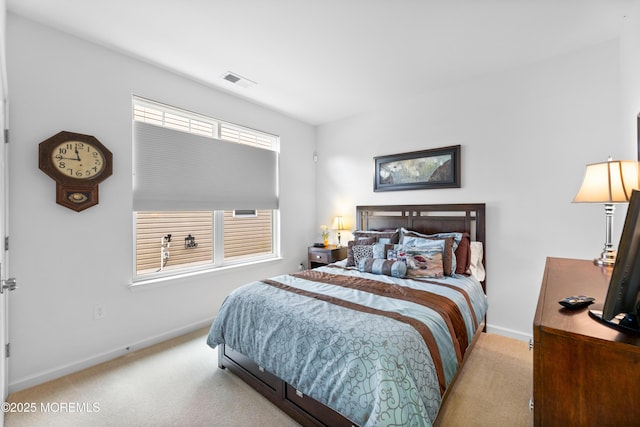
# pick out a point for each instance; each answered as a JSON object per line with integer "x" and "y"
{"x": 427, "y": 219}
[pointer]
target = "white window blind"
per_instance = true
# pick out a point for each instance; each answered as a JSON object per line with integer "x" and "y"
{"x": 175, "y": 170}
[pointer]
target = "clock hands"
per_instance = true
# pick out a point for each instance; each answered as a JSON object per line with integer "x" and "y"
{"x": 76, "y": 158}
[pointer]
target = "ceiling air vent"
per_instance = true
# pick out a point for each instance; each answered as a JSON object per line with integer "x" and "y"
{"x": 238, "y": 80}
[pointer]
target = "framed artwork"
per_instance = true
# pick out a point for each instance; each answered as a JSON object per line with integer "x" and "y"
{"x": 436, "y": 168}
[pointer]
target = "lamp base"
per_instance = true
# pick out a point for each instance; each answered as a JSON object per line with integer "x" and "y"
{"x": 608, "y": 255}
{"x": 607, "y": 259}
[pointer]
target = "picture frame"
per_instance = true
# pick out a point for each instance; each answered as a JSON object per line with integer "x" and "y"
{"x": 418, "y": 170}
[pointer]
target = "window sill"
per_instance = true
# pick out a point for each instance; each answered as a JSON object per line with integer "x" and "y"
{"x": 157, "y": 282}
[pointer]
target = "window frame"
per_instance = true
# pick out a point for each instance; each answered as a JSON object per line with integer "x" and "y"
{"x": 218, "y": 263}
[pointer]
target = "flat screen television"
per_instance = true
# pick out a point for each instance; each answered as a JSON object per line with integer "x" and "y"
{"x": 621, "y": 308}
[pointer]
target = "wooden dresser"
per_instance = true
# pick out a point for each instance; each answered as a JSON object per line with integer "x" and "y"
{"x": 584, "y": 373}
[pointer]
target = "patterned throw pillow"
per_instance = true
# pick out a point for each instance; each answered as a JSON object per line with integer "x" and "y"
{"x": 371, "y": 237}
{"x": 446, "y": 244}
{"x": 361, "y": 252}
{"x": 383, "y": 266}
{"x": 459, "y": 248}
{"x": 425, "y": 263}
{"x": 358, "y": 242}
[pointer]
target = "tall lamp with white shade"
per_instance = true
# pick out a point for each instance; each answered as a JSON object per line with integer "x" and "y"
{"x": 608, "y": 182}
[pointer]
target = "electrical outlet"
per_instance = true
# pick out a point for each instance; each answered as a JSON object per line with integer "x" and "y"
{"x": 99, "y": 311}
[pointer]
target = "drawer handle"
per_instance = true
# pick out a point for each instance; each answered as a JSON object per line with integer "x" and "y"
{"x": 318, "y": 256}
{"x": 299, "y": 394}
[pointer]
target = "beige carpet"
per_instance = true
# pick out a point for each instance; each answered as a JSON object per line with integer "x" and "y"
{"x": 178, "y": 383}
{"x": 493, "y": 388}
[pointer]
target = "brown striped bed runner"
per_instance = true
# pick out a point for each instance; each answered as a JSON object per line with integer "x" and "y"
{"x": 447, "y": 309}
{"x": 459, "y": 290}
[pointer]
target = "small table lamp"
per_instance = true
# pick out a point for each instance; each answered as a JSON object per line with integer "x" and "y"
{"x": 608, "y": 182}
{"x": 338, "y": 224}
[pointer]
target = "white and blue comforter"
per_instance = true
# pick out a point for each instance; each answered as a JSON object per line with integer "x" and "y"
{"x": 377, "y": 349}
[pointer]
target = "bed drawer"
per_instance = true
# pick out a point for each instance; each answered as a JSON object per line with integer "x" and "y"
{"x": 253, "y": 368}
{"x": 315, "y": 409}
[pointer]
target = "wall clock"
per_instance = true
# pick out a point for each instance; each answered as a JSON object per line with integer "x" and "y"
{"x": 77, "y": 163}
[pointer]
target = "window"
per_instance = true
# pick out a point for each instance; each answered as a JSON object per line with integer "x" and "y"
{"x": 201, "y": 200}
{"x": 152, "y": 245}
{"x": 250, "y": 234}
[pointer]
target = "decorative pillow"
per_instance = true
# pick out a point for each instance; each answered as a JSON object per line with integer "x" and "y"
{"x": 447, "y": 249}
{"x": 361, "y": 252}
{"x": 358, "y": 242}
{"x": 463, "y": 255}
{"x": 380, "y": 249}
{"x": 383, "y": 266}
{"x": 457, "y": 238}
{"x": 396, "y": 252}
{"x": 425, "y": 262}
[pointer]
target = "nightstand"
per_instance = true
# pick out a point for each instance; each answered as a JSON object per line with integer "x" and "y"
{"x": 318, "y": 257}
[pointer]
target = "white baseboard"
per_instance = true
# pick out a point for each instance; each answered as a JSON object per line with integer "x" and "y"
{"x": 70, "y": 368}
{"x": 521, "y": 336}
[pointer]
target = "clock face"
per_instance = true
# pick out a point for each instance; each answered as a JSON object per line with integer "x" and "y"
{"x": 77, "y": 159}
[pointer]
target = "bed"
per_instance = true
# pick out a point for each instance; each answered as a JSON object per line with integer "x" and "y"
{"x": 364, "y": 341}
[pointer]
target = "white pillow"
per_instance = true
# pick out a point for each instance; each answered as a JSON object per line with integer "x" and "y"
{"x": 477, "y": 268}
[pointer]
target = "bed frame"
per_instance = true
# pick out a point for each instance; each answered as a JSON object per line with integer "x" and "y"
{"x": 426, "y": 219}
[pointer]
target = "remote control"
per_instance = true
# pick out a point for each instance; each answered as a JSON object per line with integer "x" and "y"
{"x": 576, "y": 302}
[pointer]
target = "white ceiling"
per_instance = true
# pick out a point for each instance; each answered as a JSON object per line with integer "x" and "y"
{"x": 322, "y": 60}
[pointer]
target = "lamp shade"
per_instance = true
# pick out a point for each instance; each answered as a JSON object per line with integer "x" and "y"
{"x": 338, "y": 223}
{"x": 608, "y": 182}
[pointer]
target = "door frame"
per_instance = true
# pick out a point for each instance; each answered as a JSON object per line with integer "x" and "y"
{"x": 4, "y": 207}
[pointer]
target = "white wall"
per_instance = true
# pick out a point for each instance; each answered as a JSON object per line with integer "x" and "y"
{"x": 526, "y": 136}
{"x": 630, "y": 64}
{"x": 67, "y": 262}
